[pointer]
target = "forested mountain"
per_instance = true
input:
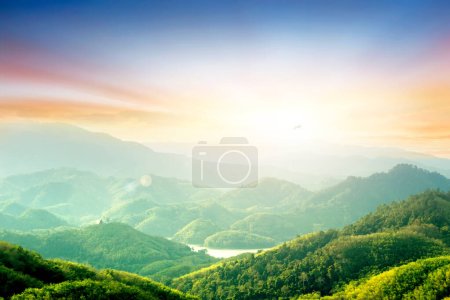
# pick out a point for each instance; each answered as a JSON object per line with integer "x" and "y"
{"x": 274, "y": 211}
{"x": 269, "y": 195}
{"x": 26, "y": 275}
{"x": 356, "y": 197}
{"x": 301, "y": 212}
{"x": 423, "y": 279}
{"x": 80, "y": 197}
{"x": 196, "y": 232}
{"x": 29, "y": 219}
{"x": 323, "y": 262}
{"x": 116, "y": 246}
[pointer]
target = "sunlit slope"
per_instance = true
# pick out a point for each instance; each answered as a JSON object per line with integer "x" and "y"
{"x": 323, "y": 261}
{"x": 26, "y": 275}
{"x": 115, "y": 246}
{"x": 422, "y": 279}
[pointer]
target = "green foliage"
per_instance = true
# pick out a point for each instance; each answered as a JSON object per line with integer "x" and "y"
{"x": 30, "y": 219}
{"x": 115, "y": 246}
{"x": 324, "y": 262}
{"x": 275, "y": 208}
{"x": 26, "y": 275}
{"x": 196, "y": 232}
{"x": 280, "y": 227}
{"x": 423, "y": 279}
{"x": 356, "y": 196}
{"x": 432, "y": 208}
{"x": 269, "y": 193}
{"x": 238, "y": 239}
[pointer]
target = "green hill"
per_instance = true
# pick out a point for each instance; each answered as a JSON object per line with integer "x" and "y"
{"x": 423, "y": 279}
{"x": 280, "y": 227}
{"x": 286, "y": 210}
{"x": 270, "y": 194}
{"x": 238, "y": 239}
{"x": 324, "y": 261}
{"x": 30, "y": 219}
{"x": 169, "y": 219}
{"x": 80, "y": 197}
{"x": 276, "y": 209}
{"x": 116, "y": 246}
{"x": 26, "y": 275}
{"x": 355, "y": 197}
{"x": 196, "y": 232}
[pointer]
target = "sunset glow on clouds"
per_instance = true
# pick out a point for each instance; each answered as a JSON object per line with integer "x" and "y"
{"x": 372, "y": 74}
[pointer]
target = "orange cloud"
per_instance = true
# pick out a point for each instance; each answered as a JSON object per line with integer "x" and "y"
{"x": 41, "y": 109}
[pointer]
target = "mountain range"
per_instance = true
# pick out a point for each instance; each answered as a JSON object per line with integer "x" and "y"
{"x": 327, "y": 262}
{"x": 273, "y": 212}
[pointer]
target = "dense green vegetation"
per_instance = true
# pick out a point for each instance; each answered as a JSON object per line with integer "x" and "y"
{"x": 116, "y": 246}
{"x": 275, "y": 210}
{"x": 325, "y": 261}
{"x": 196, "y": 232}
{"x": 29, "y": 219}
{"x": 80, "y": 197}
{"x": 423, "y": 279}
{"x": 270, "y": 194}
{"x": 26, "y": 275}
{"x": 238, "y": 239}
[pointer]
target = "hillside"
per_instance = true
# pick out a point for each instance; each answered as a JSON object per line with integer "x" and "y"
{"x": 323, "y": 261}
{"x": 238, "y": 239}
{"x": 291, "y": 211}
{"x": 30, "y": 219}
{"x": 423, "y": 279}
{"x": 196, "y": 232}
{"x": 26, "y": 275}
{"x": 358, "y": 196}
{"x": 275, "y": 210}
{"x": 116, "y": 246}
{"x": 269, "y": 195}
{"x": 80, "y": 197}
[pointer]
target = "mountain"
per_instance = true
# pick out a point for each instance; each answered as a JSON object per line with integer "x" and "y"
{"x": 328, "y": 160}
{"x": 30, "y": 219}
{"x": 116, "y": 246}
{"x": 238, "y": 239}
{"x": 31, "y": 147}
{"x": 422, "y": 279}
{"x": 169, "y": 219}
{"x": 269, "y": 195}
{"x": 280, "y": 227}
{"x": 288, "y": 210}
{"x": 358, "y": 196}
{"x": 196, "y": 232}
{"x": 275, "y": 210}
{"x": 80, "y": 197}
{"x": 321, "y": 262}
{"x": 26, "y": 275}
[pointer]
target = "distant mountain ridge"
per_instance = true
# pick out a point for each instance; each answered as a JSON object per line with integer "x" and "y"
{"x": 31, "y": 147}
{"x": 358, "y": 196}
{"x": 276, "y": 210}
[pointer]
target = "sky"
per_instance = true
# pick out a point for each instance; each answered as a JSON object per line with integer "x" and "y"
{"x": 372, "y": 73}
